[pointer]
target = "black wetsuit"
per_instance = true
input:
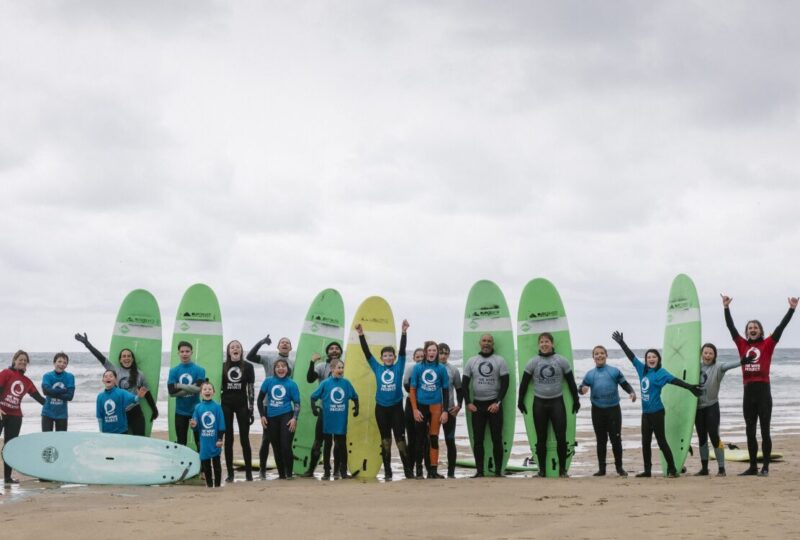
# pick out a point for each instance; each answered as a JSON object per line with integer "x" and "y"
{"x": 238, "y": 379}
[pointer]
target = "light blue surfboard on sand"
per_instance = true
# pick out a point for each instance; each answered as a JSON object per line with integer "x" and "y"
{"x": 101, "y": 458}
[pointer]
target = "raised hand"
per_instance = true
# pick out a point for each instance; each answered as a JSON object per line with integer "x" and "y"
{"x": 315, "y": 358}
{"x": 726, "y": 300}
{"x": 793, "y": 302}
{"x": 405, "y": 325}
{"x": 83, "y": 338}
{"x": 617, "y": 337}
{"x": 359, "y": 329}
{"x": 266, "y": 340}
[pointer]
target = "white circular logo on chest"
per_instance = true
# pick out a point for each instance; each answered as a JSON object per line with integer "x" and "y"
{"x": 185, "y": 379}
{"x": 387, "y": 377}
{"x": 429, "y": 376}
{"x": 17, "y": 388}
{"x": 234, "y": 374}
{"x": 278, "y": 392}
{"x": 110, "y": 407}
{"x": 645, "y": 385}
{"x": 337, "y": 396}
{"x": 207, "y": 419}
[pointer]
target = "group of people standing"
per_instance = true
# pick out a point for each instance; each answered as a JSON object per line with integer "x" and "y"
{"x": 436, "y": 393}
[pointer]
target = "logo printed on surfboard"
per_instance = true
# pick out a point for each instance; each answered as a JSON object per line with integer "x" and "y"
{"x": 49, "y": 454}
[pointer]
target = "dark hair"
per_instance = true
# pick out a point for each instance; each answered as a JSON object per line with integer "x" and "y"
{"x": 228, "y": 364}
{"x": 547, "y": 335}
{"x": 133, "y": 378}
{"x": 646, "y": 367}
{"x": 713, "y": 348}
{"x": 61, "y": 354}
{"x": 428, "y": 344}
{"x": 17, "y": 355}
{"x": 388, "y": 348}
{"x": 278, "y": 361}
{"x": 208, "y": 382}
{"x": 331, "y": 344}
{"x": 185, "y": 344}
{"x": 444, "y": 348}
{"x": 418, "y": 349}
{"x": 110, "y": 371}
{"x": 757, "y": 323}
{"x": 599, "y": 347}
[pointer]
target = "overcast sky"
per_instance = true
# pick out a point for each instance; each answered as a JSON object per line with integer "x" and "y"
{"x": 400, "y": 149}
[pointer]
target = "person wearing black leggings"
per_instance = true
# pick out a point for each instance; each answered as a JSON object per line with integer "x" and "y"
{"x": 323, "y": 442}
{"x": 238, "y": 379}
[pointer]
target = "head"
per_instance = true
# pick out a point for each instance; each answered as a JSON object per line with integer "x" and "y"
{"x": 60, "y": 362}
{"x": 545, "y": 343}
{"x": 126, "y": 358}
{"x": 281, "y": 368}
{"x": 109, "y": 379}
{"x": 754, "y": 330}
{"x": 284, "y": 346}
{"x": 388, "y": 356}
{"x": 333, "y": 350}
{"x": 233, "y": 352}
{"x": 185, "y": 351}
{"x": 337, "y": 368}
{"x": 20, "y": 361}
{"x": 599, "y": 355}
{"x": 708, "y": 354}
{"x": 207, "y": 390}
{"x": 431, "y": 351}
{"x": 444, "y": 353}
{"x": 652, "y": 359}
{"x": 419, "y": 355}
{"x": 487, "y": 344}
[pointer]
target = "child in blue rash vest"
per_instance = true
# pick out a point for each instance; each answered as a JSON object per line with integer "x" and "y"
{"x": 410, "y": 423}
{"x": 279, "y": 406}
{"x": 208, "y": 421}
{"x": 430, "y": 390}
{"x": 652, "y": 378}
{"x": 183, "y": 384}
{"x": 320, "y": 371}
{"x": 389, "y": 399}
{"x": 112, "y": 404}
{"x": 707, "y": 418}
{"x": 58, "y": 386}
{"x": 606, "y": 412}
{"x": 335, "y": 391}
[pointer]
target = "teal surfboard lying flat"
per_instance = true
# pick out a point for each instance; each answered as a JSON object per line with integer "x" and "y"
{"x": 324, "y": 324}
{"x": 138, "y": 328}
{"x": 487, "y": 312}
{"x": 681, "y": 357}
{"x": 100, "y": 458}
{"x": 541, "y": 310}
{"x": 199, "y": 322}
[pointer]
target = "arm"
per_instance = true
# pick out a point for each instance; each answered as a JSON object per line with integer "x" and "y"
{"x": 466, "y": 380}
{"x": 726, "y": 304}
{"x": 505, "y": 382}
{"x": 523, "y": 389}
{"x": 776, "y": 335}
{"x": 97, "y": 354}
{"x": 260, "y": 403}
{"x": 573, "y": 389}
{"x": 364, "y": 347}
{"x": 617, "y": 336}
{"x": 252, "y": 355}
{"x": 355, "y": 406}
{"x": 150, "y": 401}
{"x": 311, "y": 374}
{"x": 693, "y": 388}
{"x": 403, "y": 339}
{"x": 37, "y": 396}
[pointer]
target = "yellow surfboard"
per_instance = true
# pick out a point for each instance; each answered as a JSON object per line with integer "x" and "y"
{"x": 363, "y": 437}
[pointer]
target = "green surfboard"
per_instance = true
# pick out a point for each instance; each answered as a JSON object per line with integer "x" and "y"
{"x": 138, "y": 328}
{"x": 487, "y": 312}
{"x": 363, "y": 437}
{"x": 681, "y": 357}
{"x": 199, "y": 322}
{"x": 541, "y": 310}
{"x": 324, "y": 323}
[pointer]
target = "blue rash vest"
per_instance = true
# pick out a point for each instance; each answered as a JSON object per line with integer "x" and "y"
{"x": 604, "y": 382}
{"x": 335, "y": 394}
{"x": 280, "y": 393}
{"x": 651, "y": 385}
{"x": 210, "y": 427}
{"x": 388, "y": 379}
{"x": 111, "y": 407}
{"x": 59, "y": 389}
{"x": 188, "y": 374}
{"x": 429, "y": 378}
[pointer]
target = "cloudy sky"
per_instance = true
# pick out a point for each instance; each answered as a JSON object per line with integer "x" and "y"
{"x": 400, "y": 149}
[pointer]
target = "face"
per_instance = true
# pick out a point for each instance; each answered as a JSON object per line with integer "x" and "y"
{"x": 60, "y": 365}
{"x": 207, "y": 391}
{"x": 281, "y": 369}
{"x": 109, "y": 380}
{"x": 21, "y": 362}
{"x": 334, "y": 351}
{"x": 753, "y": 331}
{"x": 186, "y": 354}
{"x": 651, "y": 360}
{"x": 600, "y": 356}
{"x": 235, "y": 350}
{"x": 126, "y": 358}
{"x": 284, "y": 347}
{"x": 707, "y": 355}
{"x": 431, "y": 353}
{"x": 419, "y": 356}
{"x": 443, "y": 356}
{"x": 337, "y": 370}
{"x": 545, "y": 345}
{"x": 387, "y": 358}
{"x": 487, "y": 344}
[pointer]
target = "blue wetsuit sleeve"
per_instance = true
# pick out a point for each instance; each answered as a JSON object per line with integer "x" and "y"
{"x": 776, "y": 335}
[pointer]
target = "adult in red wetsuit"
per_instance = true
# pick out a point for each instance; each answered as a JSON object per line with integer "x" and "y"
{"x": 13, "y": 387}
{"x": 757, "y": 399}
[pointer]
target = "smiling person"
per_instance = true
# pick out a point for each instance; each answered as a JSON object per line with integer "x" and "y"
{"x": 429, "y": 395}
{"x": 548, "y": 370}
{"x": 238, "y": 380}
{"x": 129, "y": 378}
{"x": 408, "y": 415}
{"x": 112, "y": 404}
{"x": 389, "y": 399}
{"x": 58, "y": 386}
{"x": 757, "y": 398}
{"x": 183, "y": 385}
{"x": 208, "y": 420}
{"x": 318, "y": 371}
{"x": 652, "y": 378}
{"x": 606, "y": 412}
{"x": 485, "y": 384}
{"x": 13, "y": 387}
{"x": 279, "y": 406}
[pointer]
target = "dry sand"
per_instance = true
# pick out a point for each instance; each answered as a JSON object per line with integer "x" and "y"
{"x": 515, "y": 507}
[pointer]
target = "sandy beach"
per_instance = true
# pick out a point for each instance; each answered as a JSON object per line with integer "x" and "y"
{"x": 514, "y": 507}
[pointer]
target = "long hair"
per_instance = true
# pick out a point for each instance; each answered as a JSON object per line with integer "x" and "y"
{"x": 646, "y": 367}
{"x": 133, "y": 378}
{"x": 713, "y": 348}
{"x": 757, "y": 323}
{"x": 228, "y": 364}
